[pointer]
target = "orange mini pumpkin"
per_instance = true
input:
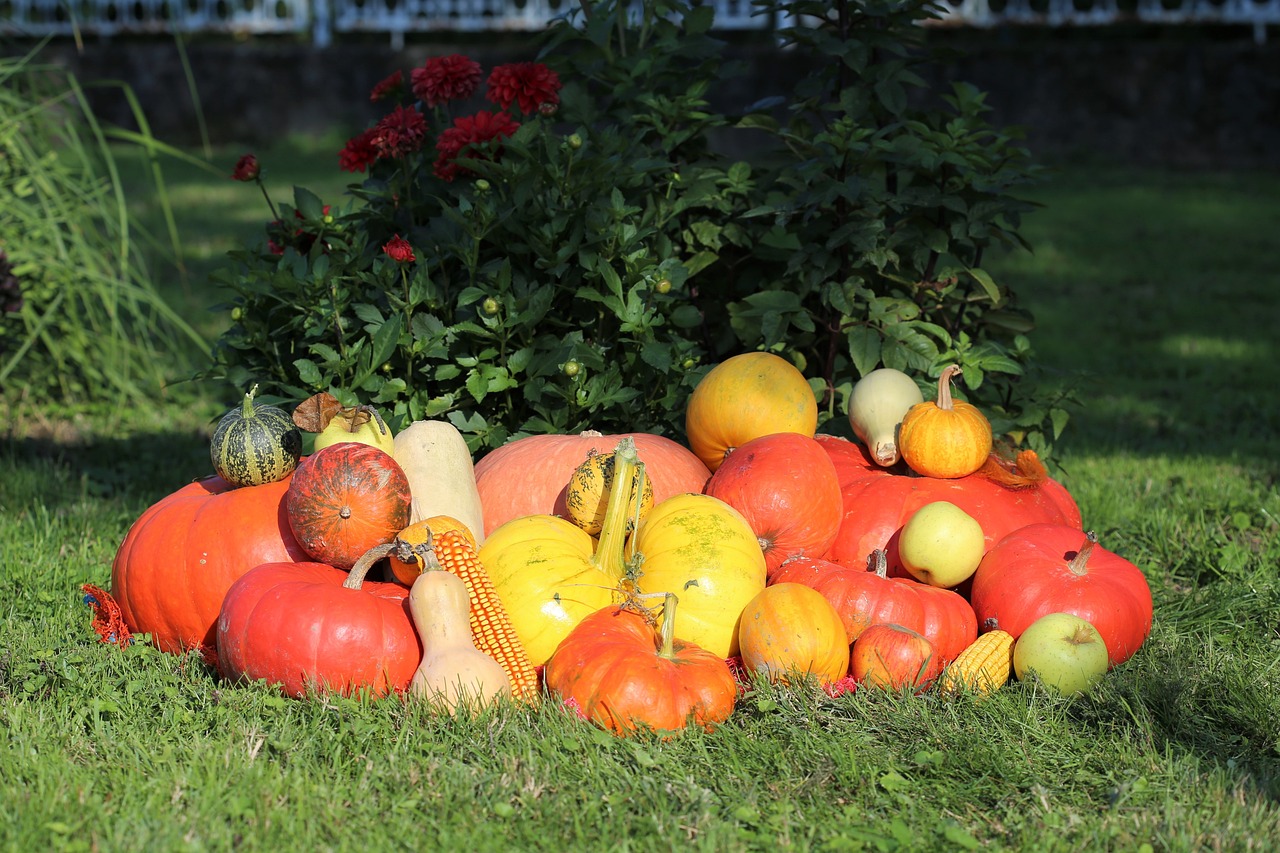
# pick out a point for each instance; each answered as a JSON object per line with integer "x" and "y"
{"x": 947, "y": 438}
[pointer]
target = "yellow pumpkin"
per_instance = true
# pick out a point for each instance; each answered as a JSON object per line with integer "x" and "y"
{"x": 947, "y": 438}
{"x": 745, "y": 397}
{"x": 551, "y": 574}
{"x": 543, "y": 569}
{"x": 705, "y": 552}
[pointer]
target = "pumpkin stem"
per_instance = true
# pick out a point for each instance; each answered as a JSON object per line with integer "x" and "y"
{"x": 878, "y": 563}
{"x": 667, "y": 632}
{"x": 944, "y": 386}
{"x": 1079, "y": 564}
{"x": 608, "y": 556}
{"x": 248, "y": 401}
{"x": 356, "y": 576}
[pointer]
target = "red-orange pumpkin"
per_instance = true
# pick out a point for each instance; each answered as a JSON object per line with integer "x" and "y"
{"x": 529, "y": 476}
{"x": 346, "y": 500}
{"x": 181, "y": 555}
{"x": 1050, "y": 568}
{"x": 297, "y": 626}
{"x": 624, "y": 675}
{"x": 786, "y": 487}
{"x": 878, "y": 502}
{"x": 868, "y": 597}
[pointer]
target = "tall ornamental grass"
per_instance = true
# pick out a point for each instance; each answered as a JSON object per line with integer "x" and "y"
{"x": 82, "y": 321}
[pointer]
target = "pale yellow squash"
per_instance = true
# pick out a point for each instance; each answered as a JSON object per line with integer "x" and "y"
{"x": 705, "y": 552}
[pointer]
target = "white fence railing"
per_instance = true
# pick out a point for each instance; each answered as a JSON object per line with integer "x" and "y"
{"x": 324, "y": 19}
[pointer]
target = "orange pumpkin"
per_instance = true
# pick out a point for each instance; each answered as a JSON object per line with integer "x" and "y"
{"x": 786, "y": 487}
{"x": 745, "y": 397}
{"x": 947, "y": 438}
{"x": 530, "y": 476}
{"x": 418, "y": 535}
{"x": 346, "y": 499}
{"x": 624, "y": 675}
{"x": 791, "y": 629}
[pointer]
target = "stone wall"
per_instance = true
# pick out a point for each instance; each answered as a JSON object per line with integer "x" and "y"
{"x": 1176, "y": 96}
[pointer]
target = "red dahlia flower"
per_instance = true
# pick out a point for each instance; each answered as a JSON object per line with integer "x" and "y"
{"x": 399, "y": 250}
{"x": 529, "y": 84}
{"x": 399, "y": 133}
{"x": 359, "y": 152}
{"x": 246, "y": 169}
{"x": 467, "y": 131}
{"x": 445, "y": 78}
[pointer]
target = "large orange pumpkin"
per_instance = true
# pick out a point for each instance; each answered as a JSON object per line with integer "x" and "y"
{"x": 785, "y": 486}
{"x": 529, "y": 476}
{"x": 745, "y": 397}
{"x": 879, "y": 501}
{"x": 311, "y": 627}
{"x": 181, "y": 555}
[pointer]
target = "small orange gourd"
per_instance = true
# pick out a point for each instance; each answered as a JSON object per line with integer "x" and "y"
{"x": 790, "y": 630}
{"x": 417, "y": 536}
{"x": 945, "y": 438}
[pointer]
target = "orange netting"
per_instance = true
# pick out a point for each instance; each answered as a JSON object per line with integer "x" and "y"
{"x": 107, "y": 619}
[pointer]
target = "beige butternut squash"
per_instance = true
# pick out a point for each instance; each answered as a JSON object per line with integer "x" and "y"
{"x": 442, "y": 478}
{"x": 453, "y": 673}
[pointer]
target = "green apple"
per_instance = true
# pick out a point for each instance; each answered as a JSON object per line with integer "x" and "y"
{"x": 1064, "y": 650}
{"x": 360, "y": 424}
{"x": 941, "y": 544}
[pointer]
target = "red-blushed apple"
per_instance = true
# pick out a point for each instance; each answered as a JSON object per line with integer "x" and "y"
{"x": 1064, "y": 651}
{"x": 941, "y": 544}
{"x": 893, "y": 657}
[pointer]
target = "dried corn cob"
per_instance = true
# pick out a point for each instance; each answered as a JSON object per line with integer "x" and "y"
{"x": 982, "y": 667}
{"x": 490, "y": 624}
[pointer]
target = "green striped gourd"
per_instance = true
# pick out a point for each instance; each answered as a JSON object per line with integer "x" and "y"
{"x": 255, "y": 444}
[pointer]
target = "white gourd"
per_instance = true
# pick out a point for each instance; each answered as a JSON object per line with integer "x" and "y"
{"x": 877, "y": 404}
{"x": 442, "y": 478}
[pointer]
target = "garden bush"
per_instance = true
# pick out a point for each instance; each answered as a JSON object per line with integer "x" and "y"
{"x": 559, "y": 245}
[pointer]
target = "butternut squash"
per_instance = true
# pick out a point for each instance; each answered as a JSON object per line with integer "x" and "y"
{"x": 442, "y": 478}
{"x": 453, "y": 673}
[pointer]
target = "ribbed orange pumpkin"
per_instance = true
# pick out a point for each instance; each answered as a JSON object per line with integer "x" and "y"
{"x": 947, "y": 438}
{"x": 346, "y": 499}
{"x": 745, "y": 397}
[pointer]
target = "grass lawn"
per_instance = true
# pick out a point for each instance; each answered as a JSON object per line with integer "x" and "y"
{"x": 1157, "y": 288}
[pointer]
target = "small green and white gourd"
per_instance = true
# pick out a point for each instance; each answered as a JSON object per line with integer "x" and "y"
{"x": 255, "y": 444}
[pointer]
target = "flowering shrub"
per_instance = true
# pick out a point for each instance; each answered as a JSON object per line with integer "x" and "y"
{"x": 557, "y": 245}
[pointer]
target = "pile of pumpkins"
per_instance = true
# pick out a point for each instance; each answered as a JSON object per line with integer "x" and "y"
{"x": 640, "y": 578}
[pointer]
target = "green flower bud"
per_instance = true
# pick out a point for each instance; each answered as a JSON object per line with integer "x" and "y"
{"x": 571, "y": 368}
